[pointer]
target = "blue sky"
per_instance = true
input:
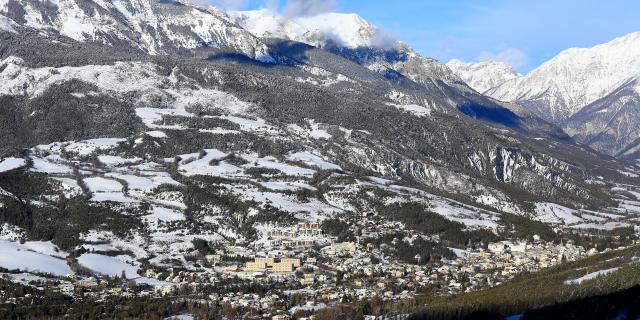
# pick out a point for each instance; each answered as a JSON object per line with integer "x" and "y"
{"x": 524, "y": 33}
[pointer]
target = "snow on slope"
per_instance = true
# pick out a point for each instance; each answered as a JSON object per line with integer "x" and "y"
{"x": 268, "y": 24}
{"x": 415, "y": 109}
{"x": 35, "y": 258}
{"x": 7, "y": 24}
{"x": 554, "y": 213}
{"x": 121, "y": 77}
{"x": 152, "y": 26}
{"x": 348, "y": 30}
{"x": 485, "y": 75}
{"x": 591, "y": 276}
{"x": 574, "y": 78}
{"x": 364, "y": 42}
{"x": 8, "y": 164}
{"x": 18, "y": 79}
{"x": 314, "y": 160}
{"x": 112, "y": 266}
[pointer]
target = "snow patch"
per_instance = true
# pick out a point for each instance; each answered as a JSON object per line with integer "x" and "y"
{"x": 555, "y": 213}
{"x": 165, "y": 214}
{"x": 23, "y": 257}
{"x": 313, "y": 160}
{"x": 413, "y": 109}
{"x": 8, "y": 164}
{"x": 156, "y": 134}
{"x": 286, "y": 186}
{"x": 318, "y": 133}
{"x": 117, "y": 161}
{"x": 111, "y": 266}
{"x": 45, "y": 166}
{"x": 152, "y": 117}
{"x": 273, "y": 163}
{"x": 87, "y": 147}
{"x": 69, "y": 186}
{"x": 590, "y": 276}
{"x": 7, "y": 24}
{"x": 248, "y": 124}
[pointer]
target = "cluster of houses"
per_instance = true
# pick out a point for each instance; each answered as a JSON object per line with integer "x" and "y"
{"x": 304, "y": 236}
{"x": 478, "y": 269}
{"x": 324, "y": 272}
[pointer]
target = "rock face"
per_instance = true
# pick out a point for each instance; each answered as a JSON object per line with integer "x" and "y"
{"x": 590, "y": 92}
{"x": 154, "y": 27}
{"x": 610, "y": 124}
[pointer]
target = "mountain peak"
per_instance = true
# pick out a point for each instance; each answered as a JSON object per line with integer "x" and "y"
{"x": 575, "y": 78}
{"x": 484, "y": 75}
{"x": 347, "y": 30}
{"x": 151, "y": 26}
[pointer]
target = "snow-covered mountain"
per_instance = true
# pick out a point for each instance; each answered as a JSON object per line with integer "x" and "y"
{"x": 591, "y": 92}
{"x": 154, "y": 27}
{"x": 341, "y": 29}
{"x": 354, "y": 38}
{"x": 346, "y": 59}
{"x": 610, "y": 124}
{"x": 485, "y": 75}
{"x": 574, "y": 78}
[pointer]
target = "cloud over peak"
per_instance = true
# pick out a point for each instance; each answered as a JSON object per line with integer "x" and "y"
{"x": 308, "y": 8}
{"x": 515, "y": 57}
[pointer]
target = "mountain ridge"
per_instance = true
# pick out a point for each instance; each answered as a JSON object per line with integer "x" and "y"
{"x": 485, "y": 75}
{"x": 575, "y": 78}
{"x": 154, "y": 27}
{"x": 574, "y": 89}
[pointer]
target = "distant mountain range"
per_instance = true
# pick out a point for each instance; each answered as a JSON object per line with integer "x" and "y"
{"x": 592, "y": 93}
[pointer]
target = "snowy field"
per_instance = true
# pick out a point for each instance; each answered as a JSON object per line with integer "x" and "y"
{"x": 555, "y": 213}
{"x": 111, "y": 266}
{"x": 313, "y": 160}
{"x": 44, "y": 165}
{"x": 117, "y": 161}
{"x": 8, "y": 164}
{"x": 165, "y": 214}
{"x": 34, "y": 257}
{"x": 601, "y": 226}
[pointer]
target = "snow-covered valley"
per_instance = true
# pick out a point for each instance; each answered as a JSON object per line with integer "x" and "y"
{"x": 170, "y": 151}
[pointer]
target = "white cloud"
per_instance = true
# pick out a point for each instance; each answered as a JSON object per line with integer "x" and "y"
{"x": 384, "y": 40}
{"x": 308, "y": 8}
{"x": 517, "y": 58}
